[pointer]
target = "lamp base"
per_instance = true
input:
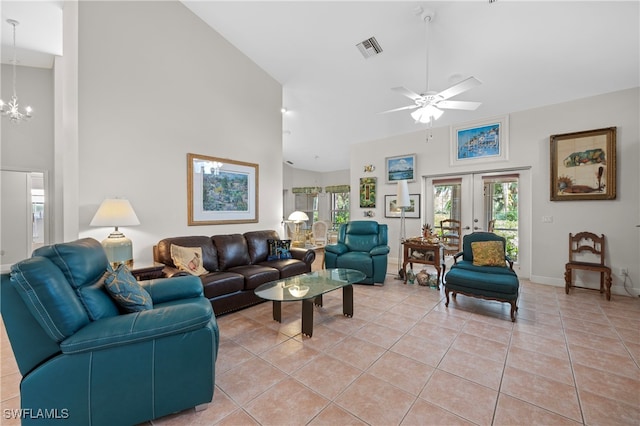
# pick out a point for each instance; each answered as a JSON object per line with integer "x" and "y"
{"x": 119, "y": 250}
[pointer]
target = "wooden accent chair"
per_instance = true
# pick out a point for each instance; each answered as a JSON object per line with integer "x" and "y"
{"x": 587, "y": 252}
{"x": 450, "y": 230}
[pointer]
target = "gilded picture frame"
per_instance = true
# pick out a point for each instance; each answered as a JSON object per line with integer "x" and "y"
{"x": 221, "y": 191}
{"x": 583, "y": 165}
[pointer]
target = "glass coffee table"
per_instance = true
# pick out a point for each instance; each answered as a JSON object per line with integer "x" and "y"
{"x": 309, "y": 288}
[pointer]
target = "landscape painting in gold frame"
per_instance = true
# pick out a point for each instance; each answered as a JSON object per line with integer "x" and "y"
{"x": 583, "y": 165}
{"x": 221, "y": 191}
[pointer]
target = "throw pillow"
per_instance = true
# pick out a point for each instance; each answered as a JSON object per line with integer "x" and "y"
{"x": 127, "y": 292}
{"x": 188, "y": 259}
{"x": 279, "y": 249}
{"x": 488, "y": 253}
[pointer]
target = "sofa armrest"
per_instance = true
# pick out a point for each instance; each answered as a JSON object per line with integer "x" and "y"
{"x": 305, "y": 255}
{"x": 167, "y": 289}
{"x": 457, "y": 256}
{"x": 338, "y": 248}
{"x": 136, "y": 327}
{"x": 379, "y": 250}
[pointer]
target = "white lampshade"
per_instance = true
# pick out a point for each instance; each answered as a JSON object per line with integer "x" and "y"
{"x": 298, "y": 216}
{"x": 116, "y": 212}
{"x": 423, "y": 115}
{"x": 403, "y": 194}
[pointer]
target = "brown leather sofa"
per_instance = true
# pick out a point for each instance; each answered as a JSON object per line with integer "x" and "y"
{"x": 237, "y": 265}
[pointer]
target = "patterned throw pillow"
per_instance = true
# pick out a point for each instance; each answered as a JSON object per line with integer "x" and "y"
{"x": 188, "y": 259}
{"x": 279, "y": 249}
{"x": 127, "y": 292}
{"x": 488, "y": 253}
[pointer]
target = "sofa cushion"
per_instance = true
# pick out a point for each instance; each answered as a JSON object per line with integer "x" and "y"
{"x": 188, "y": 259}
{"x": 255, "y": 275}
{"x": 232, "y": 251}
{"x": 488, "y": 253}
{"x": 162, "y": 252}
{"x": 219, "y": 283}
{"x": 257, "y": 243}
{"x": 127, "y": 292}
{"x": 288, "y": 267}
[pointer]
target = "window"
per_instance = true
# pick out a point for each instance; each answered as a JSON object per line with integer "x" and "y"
{"x": 339, "y": 208}
{"x": 307, "y": 203}
{"x": 501, "y": 206}
{"x": 446, "y": 200}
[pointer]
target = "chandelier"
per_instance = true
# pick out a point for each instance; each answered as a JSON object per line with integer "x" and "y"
{"x": 12, "y": 109}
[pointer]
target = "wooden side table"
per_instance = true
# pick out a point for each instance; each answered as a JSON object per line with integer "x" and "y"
{"x": 429, "y": 254}
{"x": 148, "y": 272}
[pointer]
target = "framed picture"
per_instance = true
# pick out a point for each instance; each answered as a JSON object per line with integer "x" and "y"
{"x": 367, "y": 192}
{"x": 221, "y": 191}
{"x": 391, "y": 208}
{"x": 583, "y": 165}
{"x": 400, "y": 168}
{"x": 480, "y": 142}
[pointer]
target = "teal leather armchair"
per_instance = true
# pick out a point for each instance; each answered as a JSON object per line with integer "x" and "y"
{"x": 83, "y": 362}
{"x": 362, "y": 245}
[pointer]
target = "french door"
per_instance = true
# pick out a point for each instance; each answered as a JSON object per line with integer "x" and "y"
{"x": 494, "y": 200}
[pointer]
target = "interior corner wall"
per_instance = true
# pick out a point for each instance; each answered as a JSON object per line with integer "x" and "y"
{"x": 156, "y": 83}
{"x": 529, "y": 133}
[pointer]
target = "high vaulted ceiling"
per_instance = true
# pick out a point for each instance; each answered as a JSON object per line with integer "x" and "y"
{"x": 527, "y": 54}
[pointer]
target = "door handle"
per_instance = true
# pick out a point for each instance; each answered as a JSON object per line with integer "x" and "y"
{"x": 466, "y": 228}
{"x": 475, "y": 228}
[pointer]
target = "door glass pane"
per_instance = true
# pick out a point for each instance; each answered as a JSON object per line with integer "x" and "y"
{"x": 446, "y": 201}
{"x": 501, "y": 207}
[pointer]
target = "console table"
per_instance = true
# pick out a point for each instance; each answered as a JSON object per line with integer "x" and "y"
{"x": 417, "y": 251}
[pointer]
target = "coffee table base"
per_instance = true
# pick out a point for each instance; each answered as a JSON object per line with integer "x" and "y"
{"x": 307, "y": 309}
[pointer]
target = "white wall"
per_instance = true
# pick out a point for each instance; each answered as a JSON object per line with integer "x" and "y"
{"x": 156, "y": 83}
{"x": 28, "y": 145}
{"x": 529, "y": 146}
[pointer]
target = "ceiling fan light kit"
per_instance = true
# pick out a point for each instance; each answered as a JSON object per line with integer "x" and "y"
{"x": 429, "y": 105}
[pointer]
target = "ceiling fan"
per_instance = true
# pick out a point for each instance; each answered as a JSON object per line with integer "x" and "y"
{"x": 429, "y": 105}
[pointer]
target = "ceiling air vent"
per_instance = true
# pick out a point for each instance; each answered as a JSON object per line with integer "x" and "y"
{"x": 369, "y": 47}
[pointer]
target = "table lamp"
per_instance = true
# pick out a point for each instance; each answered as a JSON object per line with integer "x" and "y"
{"x": 116, "y": 212}
{"x": 297, "y": 218}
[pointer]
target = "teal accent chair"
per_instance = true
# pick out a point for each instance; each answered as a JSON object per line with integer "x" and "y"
{"x": 83, "y": 362}
{"x": 362, "y": 245}
{"x": 498, "y": 282}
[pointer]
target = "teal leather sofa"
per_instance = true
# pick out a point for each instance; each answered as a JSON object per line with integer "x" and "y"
{"x": 496, "y": 282}
{"x": 83, "y": 362}
{"x": 362, "y": 245}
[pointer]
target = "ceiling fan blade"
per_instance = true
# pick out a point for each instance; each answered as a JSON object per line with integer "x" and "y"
{"x": 456, "y": 89}
{"x": 466, "y": 105}
{"x": 399, "y": 109}
{"x": 406, "y": 92}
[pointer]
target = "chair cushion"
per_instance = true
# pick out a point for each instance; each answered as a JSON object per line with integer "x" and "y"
{"x": 188, "y": 259}
{"x": 502, "y": 286}
{"x": 358, "y": 261}
{"x": 49, "y": 297}
{"x": 96, "y": 299}
{"x": 488, "y": 253}
{"x": 127, "y": 292}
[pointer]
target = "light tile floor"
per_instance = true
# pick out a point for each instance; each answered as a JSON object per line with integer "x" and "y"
{"x": 405, "y": 359}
